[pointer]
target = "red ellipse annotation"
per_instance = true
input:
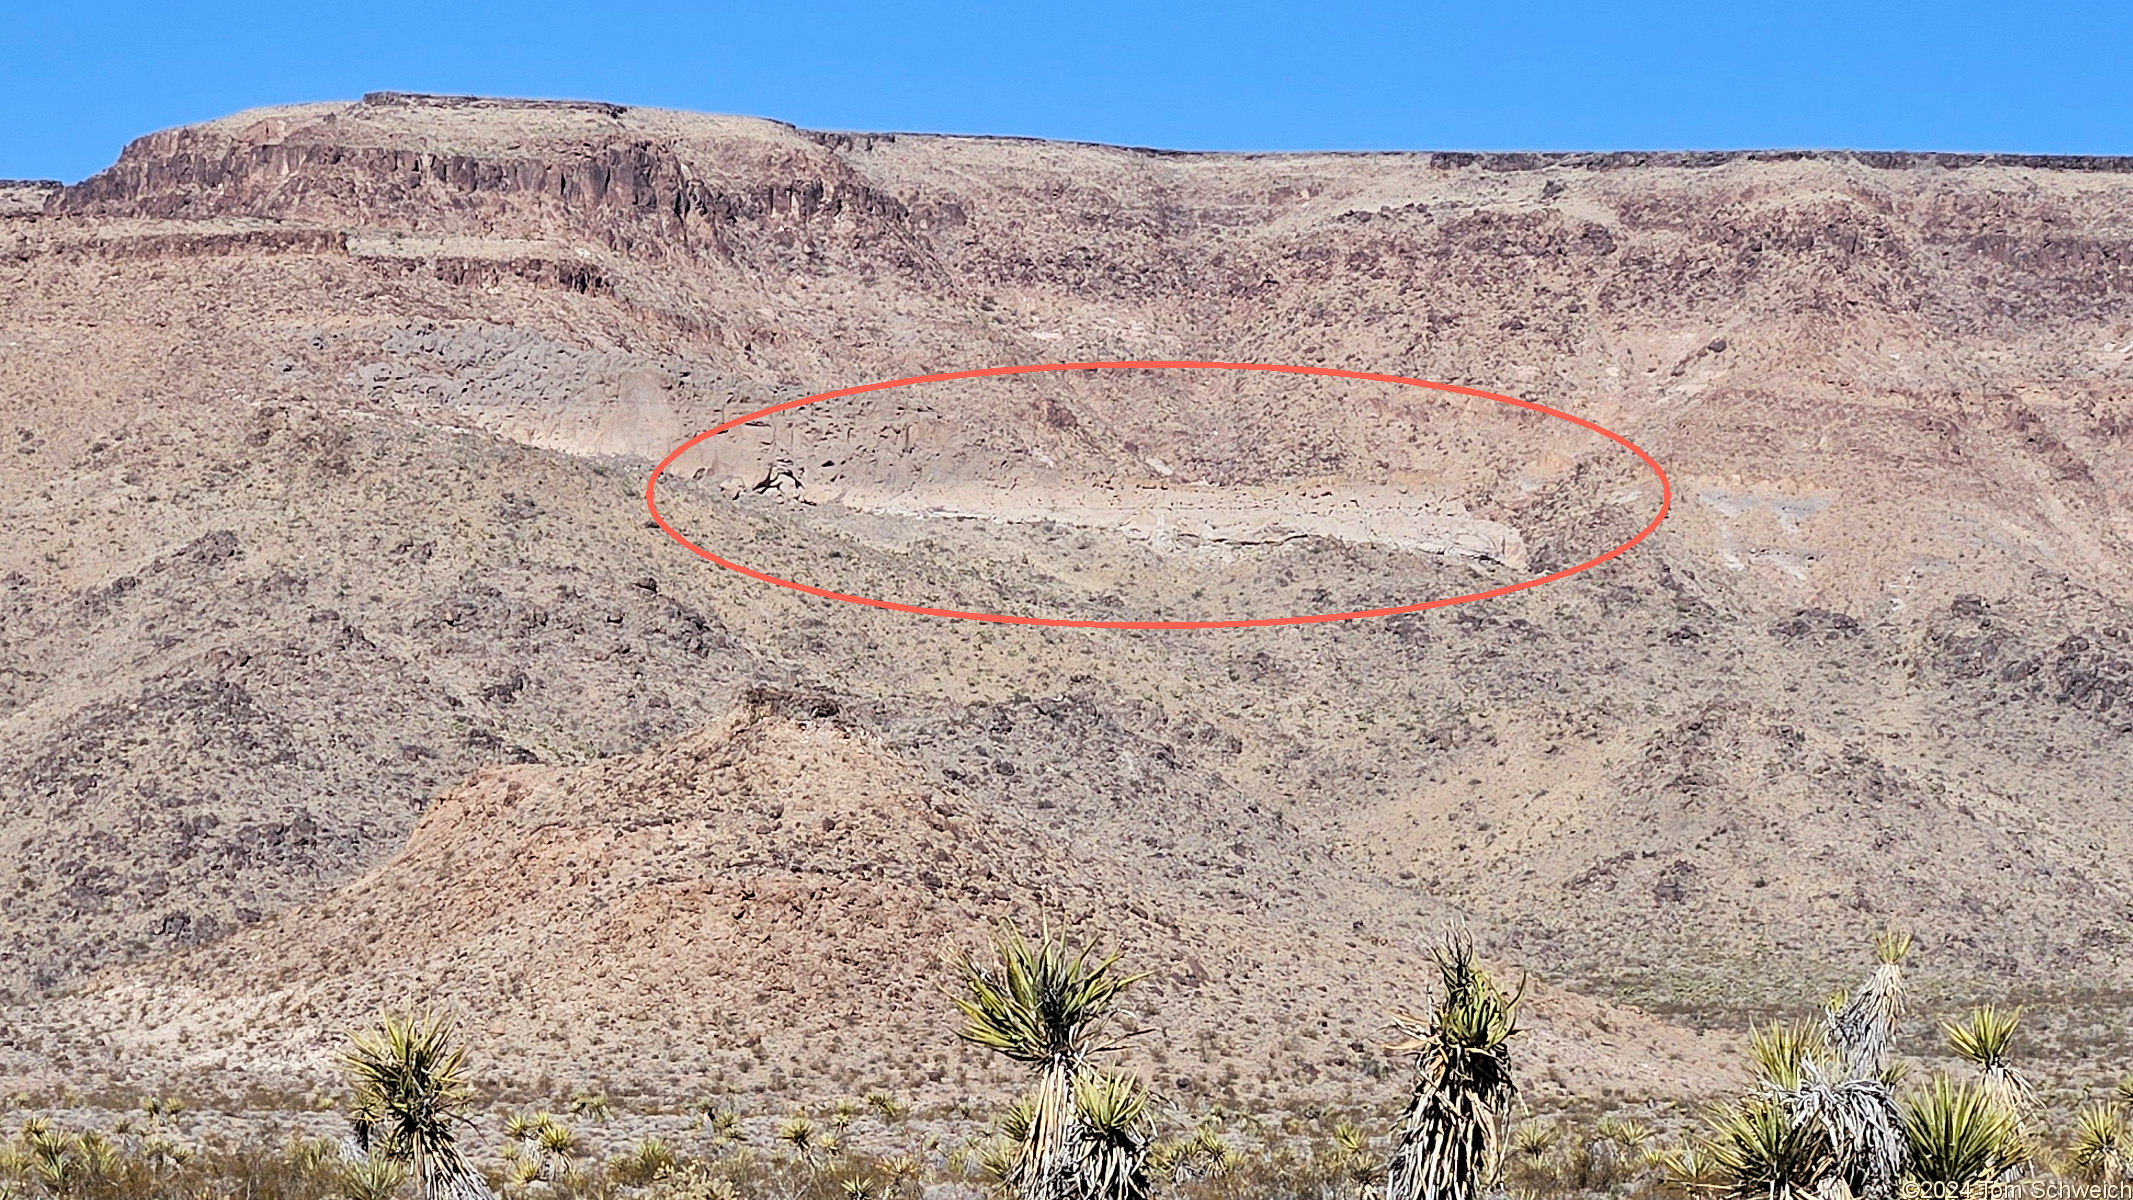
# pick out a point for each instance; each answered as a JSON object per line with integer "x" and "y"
{"x": 1666, "y": 499}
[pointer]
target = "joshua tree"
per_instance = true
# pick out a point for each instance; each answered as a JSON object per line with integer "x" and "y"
{"x": 1046, "y": 1006}
{"x": 1450, "y": 1139}
{"x": 411, "y": 1097}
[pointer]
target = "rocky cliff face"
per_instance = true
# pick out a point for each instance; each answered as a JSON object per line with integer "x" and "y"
{"x": 330, "y": 425}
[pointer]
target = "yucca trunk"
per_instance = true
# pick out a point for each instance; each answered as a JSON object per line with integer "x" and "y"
{"x": 1045, "y": 1169}
{"x": 1450, "y": 1142}
{"x": 1044, "y": 1005}
{"x": 1863, "y": 1029}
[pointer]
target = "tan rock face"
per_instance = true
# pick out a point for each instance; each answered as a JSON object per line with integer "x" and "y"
{"x": 326, "y": 438}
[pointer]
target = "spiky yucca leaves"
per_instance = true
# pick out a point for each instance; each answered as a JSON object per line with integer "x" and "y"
{"x": 809, "y": 1145}
{"x": 1450, "y": 1139}
{"x": 1755, "y": 1148}
{"x": 1534, "y": 1139}
{"x": 1780, "y": 1054}
{"x": 886, "y": 1106}
{"x": 1984, "y": 1040}
{"x": 1863, "y": 1029}
{"x": 1617, "y": 1149}
{"x": 1959, "y": 1134}
{"x": 1202, "y": 1154}
{"x": 1045, "y": 1005}
{"x": 373, "y": 1178}
{"x": 1112, "y": 1111}
{"x": 1039, "y": 1004}
{"x": 1349, "y": 1165}
{"x": 411, "y": 1097}
{"x": 2103, "y": 1145}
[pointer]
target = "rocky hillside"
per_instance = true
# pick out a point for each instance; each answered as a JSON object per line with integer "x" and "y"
{"x": 328, "y": 430}
{"x": 764, "y": 903}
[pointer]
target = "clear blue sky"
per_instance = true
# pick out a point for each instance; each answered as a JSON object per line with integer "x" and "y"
{"x": 77, "y": 80}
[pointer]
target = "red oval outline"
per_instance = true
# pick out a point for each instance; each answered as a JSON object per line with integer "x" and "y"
{"x": 1666, "y": 498}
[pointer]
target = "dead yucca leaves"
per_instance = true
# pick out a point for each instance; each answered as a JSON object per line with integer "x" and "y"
{"x": 1861, "y": 1127}
{"x": 1450, "y": 1138}
{"x": 1862, "y": 1030}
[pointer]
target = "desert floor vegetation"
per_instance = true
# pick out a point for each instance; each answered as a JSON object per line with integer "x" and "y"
{"x": 1828, "y": 1109}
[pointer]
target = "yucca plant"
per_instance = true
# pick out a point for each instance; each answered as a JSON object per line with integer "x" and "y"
{"x": 1780, "y": 1054}
{"x": 1112, "y": 1110}
{"x": 1959, "y": 1134}
{"x": 1615, "y": 1150}
{"x": 1984, "y": 1041}
{"x": 54, "y": 1161}
{"x": 2103, "y": 1145}
{"x": 372, "y": 1178}
{"x": 1350, "y": 1163}
{"x": 1830, "y": 1084}
{"x": 1450, "y": 1139}
{"x": 410, "y": 1100}
{"x": 649, "y": 1161}
{"x": 1754, "y": 1147}
{"x": 1861, "y": 1129}
{"x": 1686, "y": 1170}
{"x": 1534, "y": 1139}
{"x": 163, "y": 1153}
{"x": 1862, "y": 1030}
{"x": 556, "y": 1141}
{"x": 1045, "y": 1005}
{"x": 886, "y": 1106}
{"x": 1628, "y": 1133}
{"x": 1202, "y": 1154}
{"x": 807, "y": 1144}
